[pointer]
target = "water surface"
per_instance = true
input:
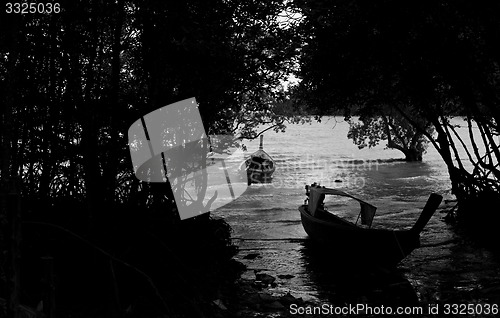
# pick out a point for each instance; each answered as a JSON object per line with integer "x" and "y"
{"x": 266, "y": 221}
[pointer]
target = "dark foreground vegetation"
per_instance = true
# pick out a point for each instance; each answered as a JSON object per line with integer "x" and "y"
{"x": 78, "y": 230}
{"x": 136, "y": 263}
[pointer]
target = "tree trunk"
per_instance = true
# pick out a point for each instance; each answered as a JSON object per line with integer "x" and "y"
{"x": 111, "y": 164}
{"x": 12, "y": 231}
{"x": 412, "y": 155}
{"x": 10, "y": 212}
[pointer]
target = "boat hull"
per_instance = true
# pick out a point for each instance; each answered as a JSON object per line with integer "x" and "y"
{"x": 259, "y": 176}
{"x": 347, "y": 242}
{"x": 260, "y": 170}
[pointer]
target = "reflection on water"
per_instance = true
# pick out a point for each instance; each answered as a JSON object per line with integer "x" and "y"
{"x": 266, "y": 221}
{"x": 341, "y": 283}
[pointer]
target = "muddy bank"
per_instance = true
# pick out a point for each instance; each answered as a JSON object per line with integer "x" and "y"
{"x": 267, "y": 293}
{"x": 448, "y": 268}
{"x": 258, "y": 298}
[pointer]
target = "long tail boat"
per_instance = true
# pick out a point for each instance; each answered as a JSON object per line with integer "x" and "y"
{"x": 260, "y": 166}
{"x": 351, "y": 242}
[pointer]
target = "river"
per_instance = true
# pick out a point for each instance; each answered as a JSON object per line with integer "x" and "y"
{"x": 266, "y": 222}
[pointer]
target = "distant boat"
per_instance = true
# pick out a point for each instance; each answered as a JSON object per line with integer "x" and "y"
{"x": 350, "y": 242}
{"x": 260, "y": 166}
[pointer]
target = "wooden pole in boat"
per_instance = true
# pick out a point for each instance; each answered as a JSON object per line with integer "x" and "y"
{"x": 429, "y": 209}
{"x": 261, "y": 146}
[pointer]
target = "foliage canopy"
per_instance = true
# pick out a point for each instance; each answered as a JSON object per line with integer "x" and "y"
{"x": 431, "y": 60}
